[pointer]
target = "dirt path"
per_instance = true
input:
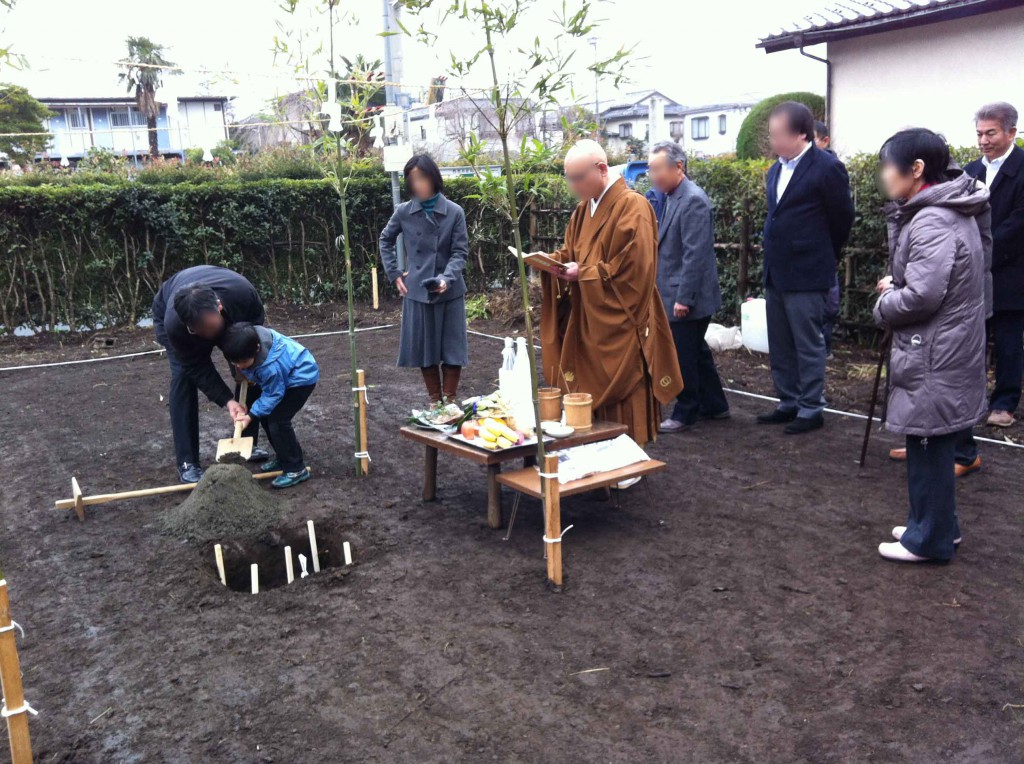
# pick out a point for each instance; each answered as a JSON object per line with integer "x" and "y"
{"x": 738, "y": 612}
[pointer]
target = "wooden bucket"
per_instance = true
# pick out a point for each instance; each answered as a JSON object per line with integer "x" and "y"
{"x": 578, "y": 410}
{"x": 550, "y": 404}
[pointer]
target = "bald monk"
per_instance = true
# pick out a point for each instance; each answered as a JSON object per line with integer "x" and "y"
{"x": 603, "y": 325}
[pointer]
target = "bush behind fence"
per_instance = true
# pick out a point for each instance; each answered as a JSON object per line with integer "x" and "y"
{"x": 78, "y": 254}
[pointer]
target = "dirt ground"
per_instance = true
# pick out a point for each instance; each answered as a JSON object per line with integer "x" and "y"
{"x": 737, "y": 611}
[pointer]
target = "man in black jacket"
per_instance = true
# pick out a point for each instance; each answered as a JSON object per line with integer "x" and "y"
{"x": 1001, "y": 167}
{"x": 190, "y": 311}
{"x": 810, "y": 213}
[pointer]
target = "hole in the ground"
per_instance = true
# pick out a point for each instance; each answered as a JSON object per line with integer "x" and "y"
{"x": 268, "y": 552}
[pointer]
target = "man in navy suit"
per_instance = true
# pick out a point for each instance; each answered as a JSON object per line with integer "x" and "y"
{"x": 810, "y": 213}
{"x": 1001, "y": 168}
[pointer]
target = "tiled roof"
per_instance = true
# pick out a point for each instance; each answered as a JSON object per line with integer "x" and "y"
{"x": 852, "y": 18}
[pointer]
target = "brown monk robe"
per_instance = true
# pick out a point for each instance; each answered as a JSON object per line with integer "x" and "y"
{"x": 607, "y": 333}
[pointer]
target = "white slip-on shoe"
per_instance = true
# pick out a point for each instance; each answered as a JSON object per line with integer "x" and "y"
{"x": 622, "y": 485}
{"x": 894, "y": 550}
{"x": 899, "y": 530}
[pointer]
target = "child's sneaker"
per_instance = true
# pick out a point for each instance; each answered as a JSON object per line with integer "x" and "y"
{"x": 272, "y": 466}
{"x": 288, "y": 479}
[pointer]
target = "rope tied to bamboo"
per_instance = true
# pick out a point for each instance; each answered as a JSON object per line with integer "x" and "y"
{"x": 363, "y": 455}
{"x": 363, "y": 390}
{"x": 558, "y": 540}
{"x": 6, "y": 712}
{"x": 13, "y": 625}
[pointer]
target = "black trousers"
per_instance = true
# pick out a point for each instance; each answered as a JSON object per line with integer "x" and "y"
{"x": 966, "y": 447}
{"x": 278, "y": 426}
{"x": 932, "y": 523}
{"x": 183, "y": 405}
{"x": 702, "y": 389}
{"x": 1006, "y": 327}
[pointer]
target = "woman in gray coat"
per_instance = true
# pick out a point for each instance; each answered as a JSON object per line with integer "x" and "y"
{"x": 433, "y": 335}
{"x": 934, "y": 304}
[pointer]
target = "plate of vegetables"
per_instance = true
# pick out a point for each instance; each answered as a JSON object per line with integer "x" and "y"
{"x": 443, "y": 417}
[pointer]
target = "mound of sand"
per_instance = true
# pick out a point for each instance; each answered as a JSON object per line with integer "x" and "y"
{"x": 226, "y": 503}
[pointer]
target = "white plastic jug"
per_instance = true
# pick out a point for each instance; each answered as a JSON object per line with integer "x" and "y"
{"x": 522, "y": 402}
{"x": 754, "y": 325}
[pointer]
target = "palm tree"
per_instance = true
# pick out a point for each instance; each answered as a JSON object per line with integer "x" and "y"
{"x": 144, "y": 74}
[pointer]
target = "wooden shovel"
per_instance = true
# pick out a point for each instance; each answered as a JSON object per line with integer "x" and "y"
{"x": 237, "y": 444}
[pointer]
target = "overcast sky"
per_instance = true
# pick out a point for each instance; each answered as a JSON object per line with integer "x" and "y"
{"x": 695, "y": 52}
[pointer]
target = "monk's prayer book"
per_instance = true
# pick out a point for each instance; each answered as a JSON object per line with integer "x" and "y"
{"x": 539, "y": 260}
{"x": 603, "y": 456}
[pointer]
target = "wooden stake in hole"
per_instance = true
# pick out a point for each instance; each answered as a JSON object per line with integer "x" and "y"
{"x": 254, "y": 571}
{"x": 288, "y": 570}
{"x": 376, "y": 294}
{"x": 347, "y": 548}
{"x": 218, "y": 552}
{"x": 312, "y": 547}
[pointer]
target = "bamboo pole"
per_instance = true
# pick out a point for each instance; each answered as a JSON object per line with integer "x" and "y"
{"x": 218, "y": 553}
{"x": 552, "y": 519}
{"x": 363, "y": 433}
{"x": 106, "y": 498}
{"x": 376, "y": 288}
{"x": 10, "y": 680}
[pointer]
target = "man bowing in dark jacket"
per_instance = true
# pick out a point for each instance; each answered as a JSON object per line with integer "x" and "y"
{"x": 1001, "y": 168}
{"x": 190, "y": 312}
{"x": 810, "y": 213}
{"x": 688, "y": 284}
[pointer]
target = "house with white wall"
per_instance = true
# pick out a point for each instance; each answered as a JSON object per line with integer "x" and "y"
{"x": 649, "y": 116}
{"x": 926, "y": 63}
{"x": 711, "y": 130}
{"x": 116, "y": 124}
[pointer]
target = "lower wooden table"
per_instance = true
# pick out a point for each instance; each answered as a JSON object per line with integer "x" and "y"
{"x": 434, "y": 441}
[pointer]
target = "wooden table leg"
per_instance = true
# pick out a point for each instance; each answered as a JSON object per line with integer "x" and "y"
{"x": 430, "y": 474}
{"x": 494, "y": 519}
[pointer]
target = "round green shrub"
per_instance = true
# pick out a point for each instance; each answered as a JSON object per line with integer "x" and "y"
{"x": 752, "y": 140}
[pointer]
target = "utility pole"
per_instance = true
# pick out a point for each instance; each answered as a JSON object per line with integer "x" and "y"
{"x": 391, "y": 91}
{"x": 597, "y": 102}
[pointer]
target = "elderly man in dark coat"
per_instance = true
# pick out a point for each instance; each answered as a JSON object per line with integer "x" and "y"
{"x": 688, "y": 284}
{"x": 1001, "y": 168}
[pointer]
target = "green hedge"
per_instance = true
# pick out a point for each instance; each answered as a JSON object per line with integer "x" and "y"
{"x": 80, "y": 254}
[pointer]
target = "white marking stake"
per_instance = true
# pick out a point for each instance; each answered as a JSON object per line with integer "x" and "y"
{"x": 254, "y": 570}
{"x": 347, "y": 547}
{"x": 302, "y": 564}
{"x": 289, "y": 572}
{"x": 312, "y": 547}
{"x": 218, "y": 552}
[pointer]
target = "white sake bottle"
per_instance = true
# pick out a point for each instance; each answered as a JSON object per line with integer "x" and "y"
{"x": 506, "y": 374}
{"x": 522, "y": 404}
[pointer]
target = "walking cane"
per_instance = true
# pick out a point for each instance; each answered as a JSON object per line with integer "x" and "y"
{"x": 882, "y": 356}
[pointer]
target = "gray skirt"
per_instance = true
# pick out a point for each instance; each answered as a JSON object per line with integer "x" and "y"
{"x": 433, "y": 333}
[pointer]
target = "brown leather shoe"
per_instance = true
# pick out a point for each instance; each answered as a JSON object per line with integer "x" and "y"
{"x": 898, "y": 454}
{"x": 966, "y": 469}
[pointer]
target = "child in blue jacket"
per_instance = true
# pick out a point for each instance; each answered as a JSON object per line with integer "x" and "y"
{"x": 286, "y": 373}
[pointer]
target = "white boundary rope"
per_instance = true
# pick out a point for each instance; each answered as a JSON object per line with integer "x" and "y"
{"x": 161, "y": 350}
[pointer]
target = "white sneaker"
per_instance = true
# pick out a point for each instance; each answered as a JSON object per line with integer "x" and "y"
{"x": 899, "y": 530}
{"x": 622, "y": 485}
{"x": 894, "y": 550}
